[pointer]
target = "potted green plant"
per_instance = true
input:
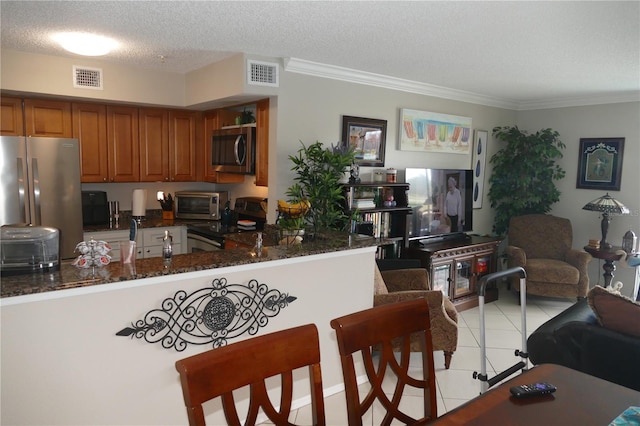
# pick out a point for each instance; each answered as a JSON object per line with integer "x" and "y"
{"x": 247, "y": 117}
{"x": 319, "y": 171}
{"x": 524, "y": 174}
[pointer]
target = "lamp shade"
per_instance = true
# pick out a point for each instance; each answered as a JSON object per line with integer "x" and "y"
{"x": 606, "y": 204}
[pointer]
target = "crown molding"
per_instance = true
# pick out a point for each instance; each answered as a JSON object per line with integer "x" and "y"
{"x": 317, "y": 69}
{"x": 610, "y": 98}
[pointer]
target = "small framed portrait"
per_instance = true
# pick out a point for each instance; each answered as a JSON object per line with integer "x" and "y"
{"x": 600, "y": 163}
{"x": 367, "y": 137}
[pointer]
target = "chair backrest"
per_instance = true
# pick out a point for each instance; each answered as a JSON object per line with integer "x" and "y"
{"x": 372, "y": 332}
{"x": 219, "y": 371}
{"x": 541, "y": 235}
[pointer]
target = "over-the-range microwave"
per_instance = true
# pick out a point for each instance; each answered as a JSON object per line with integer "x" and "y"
{"x": 233, "y": 149}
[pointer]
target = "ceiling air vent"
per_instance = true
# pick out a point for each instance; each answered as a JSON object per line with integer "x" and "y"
{"x": 87, "y": 78}
{"x": 262, "y": 73}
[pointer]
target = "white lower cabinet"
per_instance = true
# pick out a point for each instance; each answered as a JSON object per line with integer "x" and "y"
{"x": 148, "y": 241}
{"x": 152, "y": 240}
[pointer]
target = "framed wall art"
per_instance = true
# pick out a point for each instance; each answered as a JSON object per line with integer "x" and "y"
{"x": 433, "y": 132}
{"x": 481, "y": 140}
{"x": 367, "y": 137}
{"x": 600, "y": 163}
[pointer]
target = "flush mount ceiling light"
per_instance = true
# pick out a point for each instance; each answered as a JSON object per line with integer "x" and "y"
{"x": 86, "y": 44}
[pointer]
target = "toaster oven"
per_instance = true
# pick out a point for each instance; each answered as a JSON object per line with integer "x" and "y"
{"x": 200, "y": 204}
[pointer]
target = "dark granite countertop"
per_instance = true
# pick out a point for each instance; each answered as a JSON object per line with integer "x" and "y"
{"x": 71, "y": 277}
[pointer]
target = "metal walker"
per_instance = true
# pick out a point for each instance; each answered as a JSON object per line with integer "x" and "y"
{"x": 486, "y": 382}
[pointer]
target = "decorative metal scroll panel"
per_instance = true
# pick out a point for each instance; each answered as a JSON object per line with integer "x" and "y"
{"x": 209, "y": 315}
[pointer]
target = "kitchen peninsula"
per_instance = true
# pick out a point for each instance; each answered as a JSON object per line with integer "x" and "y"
{"x": 64, "y": 350}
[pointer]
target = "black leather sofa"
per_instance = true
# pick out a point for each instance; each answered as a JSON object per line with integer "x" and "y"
{"x": 575, "y": 339}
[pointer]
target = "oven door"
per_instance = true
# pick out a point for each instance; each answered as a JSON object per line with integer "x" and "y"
{"x": 197, "y": 243}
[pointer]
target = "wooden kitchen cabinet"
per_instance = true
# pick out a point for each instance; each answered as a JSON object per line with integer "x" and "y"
{"x": 167, "y": 145}
{"x": 90, "y": 128}
{"x": 11, "y": 117}
{"x": 47, "y": 118}
{"x": 154, "y": 144}
{"x": 455, "y": 267}
{"x": 182, "y": 145}
{"x": 262, "y": 143}
{"x": 123, "y": 146}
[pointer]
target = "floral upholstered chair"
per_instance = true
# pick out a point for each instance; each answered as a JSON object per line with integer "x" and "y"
{"x": 542, "y": 245}
{"x": 412, "y": 283}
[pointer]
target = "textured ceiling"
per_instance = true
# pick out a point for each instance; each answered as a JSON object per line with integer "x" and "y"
{"x": 517, "y": 51}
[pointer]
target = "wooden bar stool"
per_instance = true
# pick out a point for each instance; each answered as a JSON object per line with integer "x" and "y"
{"x": 217, "y": 372}
{"x": 373, "y": 333}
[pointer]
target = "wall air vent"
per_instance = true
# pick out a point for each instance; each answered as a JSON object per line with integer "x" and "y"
{"x": 87, "y": 78}
{"x": 262, "y": 73}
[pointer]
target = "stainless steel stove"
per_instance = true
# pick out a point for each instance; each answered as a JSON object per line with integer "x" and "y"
{"x": 210, "y": 235}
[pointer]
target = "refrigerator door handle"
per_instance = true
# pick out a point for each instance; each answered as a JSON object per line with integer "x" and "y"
{"x": 36, "y": 192}
{"x": 22, "y": 191}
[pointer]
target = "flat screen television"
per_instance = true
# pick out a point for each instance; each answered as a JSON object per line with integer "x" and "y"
{"x": 441, "y": 202}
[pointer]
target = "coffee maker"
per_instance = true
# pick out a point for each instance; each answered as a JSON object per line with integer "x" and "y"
{"x": 95, "y": 208}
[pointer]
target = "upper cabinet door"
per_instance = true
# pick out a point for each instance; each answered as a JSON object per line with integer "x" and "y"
{"x": 90, "y": 128}
{"x": 124, "y": 150}
{"x": 11, "y": 117}
{"x": 262, "y": 143}
{"x": 182, "y": 145}
{"x": 154, "y": 145}
{"x": 47, "y": 118}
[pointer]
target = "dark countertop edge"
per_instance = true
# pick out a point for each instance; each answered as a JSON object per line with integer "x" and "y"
{"x": 70, "y": 277}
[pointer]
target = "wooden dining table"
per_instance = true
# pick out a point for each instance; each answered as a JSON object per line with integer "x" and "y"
{"x": 580, "y": 399}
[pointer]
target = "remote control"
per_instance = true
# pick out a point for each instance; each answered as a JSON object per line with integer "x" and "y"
{"x": 532, "y": 390}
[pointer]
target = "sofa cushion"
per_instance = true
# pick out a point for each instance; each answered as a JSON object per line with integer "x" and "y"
{"x": 552, "y": 271}
{"x": 615, "y": 311}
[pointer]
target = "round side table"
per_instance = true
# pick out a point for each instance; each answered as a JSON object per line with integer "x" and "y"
{"x": 609, "y": 256}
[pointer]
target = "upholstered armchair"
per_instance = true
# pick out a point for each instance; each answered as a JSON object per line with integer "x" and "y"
{"x": 405, "y": 284}
{"x": 541, "y": 244}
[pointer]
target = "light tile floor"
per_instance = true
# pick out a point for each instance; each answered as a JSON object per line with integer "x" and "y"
{"x": 457, "y": 385}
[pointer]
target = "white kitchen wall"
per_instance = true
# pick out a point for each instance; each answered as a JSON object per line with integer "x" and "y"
{"x": 122, "y": 191}
{"x": 53, "y": 75}
{"x": 60, "y": 352}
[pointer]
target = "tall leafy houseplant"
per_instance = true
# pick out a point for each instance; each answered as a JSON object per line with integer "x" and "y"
{"x": 524, "y": 174}
{"x": 318, "y": 173}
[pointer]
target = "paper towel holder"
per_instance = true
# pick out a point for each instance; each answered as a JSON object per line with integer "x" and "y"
{"x": 139, "y": 205}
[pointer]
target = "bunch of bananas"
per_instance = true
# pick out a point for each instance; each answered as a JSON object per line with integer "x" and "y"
{"x": 294, "y": 210}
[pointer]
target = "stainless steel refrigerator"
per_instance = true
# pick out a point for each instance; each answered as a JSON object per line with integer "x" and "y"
{"x": 40, "y": 185}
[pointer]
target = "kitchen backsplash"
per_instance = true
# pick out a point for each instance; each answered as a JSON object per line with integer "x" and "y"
{"x": 122, "y": 192}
